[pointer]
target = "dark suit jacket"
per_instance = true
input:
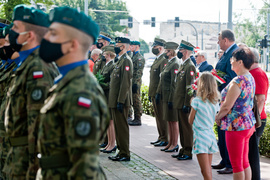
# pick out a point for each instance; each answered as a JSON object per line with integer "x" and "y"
{"x": 193, "y": 60}
{"x": 205, "y": 67}
{"x": 224, "y": 65}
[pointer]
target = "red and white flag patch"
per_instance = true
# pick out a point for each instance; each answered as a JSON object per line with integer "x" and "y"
{"x": 127, "y": 68}
{"x": 84, "y": 102}
{"x": 191, "y": 73}
{"x": 175, "y": 71}
{"x": 165, "y": 65}
{"x": 37, "y": 74}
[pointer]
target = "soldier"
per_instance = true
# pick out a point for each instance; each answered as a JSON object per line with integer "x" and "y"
{"x": 165, "y": 93}
{"x": 28, "y": 89}
{"x": 120, "y": 98}
{"x": 109, "y": 55}
{"x": 181, "y": 99}
{"x": 156, "y": 69}
{"x": 138, "y": 65}
{"x": 2, "y": 56}
{"x": 12, "y": 58}
{"x": 103, "y": 41}
{"x": 129, "y": 52}
{"x": 75, "y": 115}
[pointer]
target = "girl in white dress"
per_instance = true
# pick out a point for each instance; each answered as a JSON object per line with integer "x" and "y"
{"x": 202, "y": 116}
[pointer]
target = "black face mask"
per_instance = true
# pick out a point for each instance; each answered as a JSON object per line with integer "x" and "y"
{"x": 6, "y": 52}
{"x": 155, "y": 51}
{"x": 179, "y": 54}
{"x": 103, "y": 58}
{"x": 117, "y": 50}
{"x": 13, "y": 36}
{"x": 99, "y": 45}
{"x": 50, "y": 52}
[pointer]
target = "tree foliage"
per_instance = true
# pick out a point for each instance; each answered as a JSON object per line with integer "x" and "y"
{"x": 144, "y": 47}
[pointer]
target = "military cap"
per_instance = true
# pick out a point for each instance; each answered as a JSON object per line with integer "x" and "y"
{"x": 108, "y": 48}
{"x": 30, "y": 15}
{"x": 171, "y": 45}
{"x": 186, "y": 45}
{"x": 105, "y": 36}
{"x": 7, "y": 29}
{"x": 112, "y": 43}
{"x": 135, "y": 43}
{"x": 159, "y": 42}
{"x": 122, "y": 40}
{"x": 76, "y": 19}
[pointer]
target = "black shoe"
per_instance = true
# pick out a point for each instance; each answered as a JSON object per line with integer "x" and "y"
{"x": 129, "y": 119}
{"x": 176, "y": 155}
{"x": 219, "y": 166}
{"x": 154, "y": 142}
{"x": 184, "y": 157}
{"x": 161, "y": 143}
{"x": 164, "y": 149}
{"x": 109, "y": 151}
{"x": 225, "y": 171}
{"x": 103, "y": 145}
{"x": 135, "y": 123}
{"x": 174, "y": 149}
{"x": 121, "y": 158}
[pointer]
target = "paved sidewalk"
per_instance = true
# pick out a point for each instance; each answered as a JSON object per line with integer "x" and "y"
{"x": 148, "y": 162}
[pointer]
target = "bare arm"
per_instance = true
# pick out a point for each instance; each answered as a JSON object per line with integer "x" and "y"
{"x": 260, "y": 101}
{"x": 191, "y": 116}
{"x": 232, "y": 95}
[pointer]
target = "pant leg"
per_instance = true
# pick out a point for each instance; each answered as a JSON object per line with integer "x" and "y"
{"x": 121, "y": 131}
{"x": 185, "y": 130}
{"x": 254, "y": 157}
{"x": 137, "y": 105}
{"x": 223, "y": 149}
{"x": 162, "y": 125}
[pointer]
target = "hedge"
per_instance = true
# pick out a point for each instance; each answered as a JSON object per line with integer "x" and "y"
{"x": 264, "y": 141}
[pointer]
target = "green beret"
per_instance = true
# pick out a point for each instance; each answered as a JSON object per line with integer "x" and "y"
{"x": 112, "y": 43}
{"x": 171, "y": 45}
{"x": 105, "y": 36}
{"x": 122, "y": 40}
{"x": 108, "y": 48}
{"x": 30, "y": 15}
{"x": 158, "y": 42}
{"x": 6, "y": 29}
{"x": 135, "y": 43}
{"x": 186, "y": 45}
{"x": 76, "y": 19}
{"x": 2, "y": 33}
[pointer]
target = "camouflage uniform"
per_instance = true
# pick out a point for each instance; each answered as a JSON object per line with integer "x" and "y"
{"x": 120, "y": 92}
{"x": 138, "y": 66}
{"x": 4, "y": 142}
{"x": 74, "y": 119}
{"x": 28, "y": 89}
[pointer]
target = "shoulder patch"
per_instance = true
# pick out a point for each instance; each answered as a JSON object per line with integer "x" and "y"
{"x": 191, "y": 73}
{"x": 37, "y": 94}
{"x": 175, "y": 71}
{"x": 84, "y": 102}
{"x": 37, "y": 74}
{"x": 165, "y": 65}
{"x": 127, "y": 68}
{"x": 83, "y": 128}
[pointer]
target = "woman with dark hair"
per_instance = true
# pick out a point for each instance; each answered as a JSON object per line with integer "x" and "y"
{"x": 236, "y": 116}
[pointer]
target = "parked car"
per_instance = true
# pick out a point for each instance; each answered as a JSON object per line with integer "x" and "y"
{"x": 150, "y": 61}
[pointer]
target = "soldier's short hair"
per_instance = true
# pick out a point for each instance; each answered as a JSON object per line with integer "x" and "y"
{"x": 39, "y": 31}
{"x": 227, "y": 34}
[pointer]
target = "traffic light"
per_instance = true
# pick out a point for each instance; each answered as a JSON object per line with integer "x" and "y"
{"x": 130, "y": 22}
{"x": 153, "y": 22}
{"x": 176, "y": 22}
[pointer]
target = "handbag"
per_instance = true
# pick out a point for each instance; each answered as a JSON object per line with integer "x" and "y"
{"x": 256, "y": 113}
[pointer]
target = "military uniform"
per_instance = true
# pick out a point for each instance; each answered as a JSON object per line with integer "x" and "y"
{"x": 130, "y": 54}
{"x": 106, "y": 73}
{"x": 166, "y": 88}
{"x": 155, "y": 71}
{"x": 181, "y": 100}
{"x": 120, "y": 92}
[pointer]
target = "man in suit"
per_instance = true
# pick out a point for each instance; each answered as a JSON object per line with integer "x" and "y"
{"x": 201, "y": 60}
{"x": 121, "y": 97}
{"x": 226, "y": 42}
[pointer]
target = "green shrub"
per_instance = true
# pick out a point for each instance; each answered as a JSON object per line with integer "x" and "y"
{"x": 265, "y": 139}
{"x": 146, "y": 104}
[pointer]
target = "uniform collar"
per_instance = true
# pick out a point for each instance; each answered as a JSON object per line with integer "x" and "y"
{"x": 65, "y": 69}
{"x": 136, "y": 52}
{"x": 25, "y": 54}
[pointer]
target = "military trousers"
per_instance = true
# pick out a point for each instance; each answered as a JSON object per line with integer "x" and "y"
{"x": 162, "y": 125}
{"x": 121, "y": 130}
{"x": 186, "y": 133}
{"x": 137, "y": 105}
